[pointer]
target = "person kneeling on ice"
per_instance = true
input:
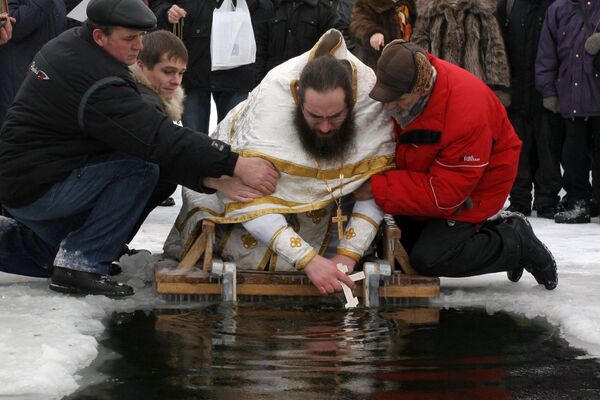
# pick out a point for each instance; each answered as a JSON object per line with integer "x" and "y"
{"x": 80, "y": 153}
{"x": 456, "y": 159}
{"x": 312, "y": 118}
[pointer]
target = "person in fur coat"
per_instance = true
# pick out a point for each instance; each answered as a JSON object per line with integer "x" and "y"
{"x": 466, "y": 33}
{"x": 375, "y": 23}
{"x": 158, "y": 73}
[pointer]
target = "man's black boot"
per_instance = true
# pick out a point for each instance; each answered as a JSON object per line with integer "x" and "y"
{"x": 547, "y": 212}
{"x": 535, "y": 256}
{"x": 79, "y": 282}
{"x": 578, "y": 214}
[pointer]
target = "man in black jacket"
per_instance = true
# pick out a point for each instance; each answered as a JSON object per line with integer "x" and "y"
{"x": 80, "y": 152}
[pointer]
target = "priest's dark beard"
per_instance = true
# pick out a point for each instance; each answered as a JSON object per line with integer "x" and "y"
{"x": 333, "y": 147}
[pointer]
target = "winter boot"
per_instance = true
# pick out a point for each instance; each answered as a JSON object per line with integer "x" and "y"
{"x": 547, "y": 212}
{"x": 535, "y": 256}
{"x": 578, "y": 214}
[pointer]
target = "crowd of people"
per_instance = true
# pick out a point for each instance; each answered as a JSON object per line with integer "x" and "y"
{"x": 483, "y": 100}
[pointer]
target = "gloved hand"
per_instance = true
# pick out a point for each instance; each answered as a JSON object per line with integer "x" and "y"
{"x": 551, "y": 104}
{"x": 503, "y": 96}
{"x": 592, "y": 44}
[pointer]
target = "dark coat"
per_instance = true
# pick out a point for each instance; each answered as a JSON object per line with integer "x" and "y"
{"x": 343, "y": 18}
{"x": 295, "y": 28}
{"x": 78, "y": 105}
{"x": 378, "y": 16}
{"x": 563, "y": 67}
{"x": 37, "y": 22}
{"x": 196, "y": 37}
{"x": 521, "y": 31}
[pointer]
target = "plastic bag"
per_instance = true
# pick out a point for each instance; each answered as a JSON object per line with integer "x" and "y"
{"x": 232, "y": 38}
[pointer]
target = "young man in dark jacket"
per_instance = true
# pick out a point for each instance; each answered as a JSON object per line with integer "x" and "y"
{"x": 192, "y": 19}
{"x": 540, "y": 130}
{"x": 456, "y": 159}
{"x": 80, "y": 152}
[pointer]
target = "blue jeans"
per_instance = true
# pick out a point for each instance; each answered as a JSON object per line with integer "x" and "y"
{"x": 197, "y": 107}
{"x": 86, "y": 219}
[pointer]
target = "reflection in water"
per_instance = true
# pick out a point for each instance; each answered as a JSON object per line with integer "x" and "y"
{"x": 286, "y": 351}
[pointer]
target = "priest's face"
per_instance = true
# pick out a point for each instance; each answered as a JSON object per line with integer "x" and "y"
{"x": 325, "y": 125}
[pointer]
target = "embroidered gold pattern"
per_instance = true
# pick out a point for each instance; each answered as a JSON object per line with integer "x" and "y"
{"x": 295, "y": 242}
{"x": 317, "y": 215}
{"x": 350, "y": 233}
{"x": 248, "y": 241}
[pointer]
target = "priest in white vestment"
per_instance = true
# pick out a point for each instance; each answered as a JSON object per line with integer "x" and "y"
{"x": 313, "y": 119}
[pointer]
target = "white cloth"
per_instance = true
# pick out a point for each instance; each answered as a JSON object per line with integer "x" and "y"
{"x": 263, "y": 126}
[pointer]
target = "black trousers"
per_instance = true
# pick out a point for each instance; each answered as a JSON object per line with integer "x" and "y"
{"x": 580, "y": 152}
{"x": 542, "y": 135}
{"x": 458, "y": 249}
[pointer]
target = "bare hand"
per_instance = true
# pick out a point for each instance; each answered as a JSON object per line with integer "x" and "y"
{"x": 377, "y": 41}
{"x": 233, "y": 188}
{"x": 363, "y": 192}
{"x": 6, "y": 29}
{"x": 342, "y": 259}
{"x": 175, "y": 13}
{"x": 257, "y": 173}
{"x": 325, "y": 276}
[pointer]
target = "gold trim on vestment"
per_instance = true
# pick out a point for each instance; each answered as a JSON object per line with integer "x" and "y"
{"x": 348, "y": 253}
{"x": 180, "y": 225}
{"x": 276, "y": 234}
{"x": 366, "y": 218}
{"x": 265, "y": 260}
{"x": 372, "y": 165}
{"x": 273, "y": 262}
{"x": 303, "y": 262}
{"x": 232, "y": 129}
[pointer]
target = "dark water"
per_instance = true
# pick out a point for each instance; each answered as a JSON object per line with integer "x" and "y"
{"x": 276, "y": 351}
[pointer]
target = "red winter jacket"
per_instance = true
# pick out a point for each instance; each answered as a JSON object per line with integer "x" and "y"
{"x": 462, "y": 145}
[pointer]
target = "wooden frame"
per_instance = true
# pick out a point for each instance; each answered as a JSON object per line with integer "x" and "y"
{"x": 185, "y": 280}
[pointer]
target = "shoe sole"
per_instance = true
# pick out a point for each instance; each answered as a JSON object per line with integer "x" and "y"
{"x": 72, "y": 290}
{"x": 538, "y": 241}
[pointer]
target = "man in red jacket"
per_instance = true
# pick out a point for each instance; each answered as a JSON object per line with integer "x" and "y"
{"x": 456, "y": 159}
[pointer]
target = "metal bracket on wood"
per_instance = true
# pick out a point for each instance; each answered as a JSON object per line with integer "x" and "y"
{"x": 228, "y": 273}
{"x": 374, "y": 273}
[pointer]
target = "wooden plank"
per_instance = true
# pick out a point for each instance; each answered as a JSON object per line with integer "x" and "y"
{"x": 408, "y": 291}
{"x": 187, "y": 288}
{"x": 208, "y": 228}
{"x": 193, "y": 255}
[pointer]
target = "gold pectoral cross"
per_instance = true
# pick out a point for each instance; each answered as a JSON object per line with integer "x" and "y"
{"x": 339, "y": 219}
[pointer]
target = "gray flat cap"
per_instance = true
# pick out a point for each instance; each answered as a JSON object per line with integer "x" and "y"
{"x": 132, "y": 14}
